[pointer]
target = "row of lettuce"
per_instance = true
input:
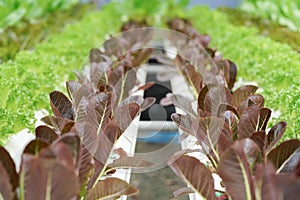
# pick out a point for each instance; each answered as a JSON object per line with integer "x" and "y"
{"x": 285, "y": 13}
{"x": 13, "y": 12}
{"x": 22, "y": 32}
{"x": 26, "y": 82}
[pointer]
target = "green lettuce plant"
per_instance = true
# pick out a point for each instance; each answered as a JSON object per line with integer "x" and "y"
{"x": 14, "y": 11}
{"x": 285, "y": 13}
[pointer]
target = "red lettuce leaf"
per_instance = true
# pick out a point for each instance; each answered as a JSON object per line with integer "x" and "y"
{"x": 111, "y": 188}
{"x": 265, "y": 183}
{"x": 232, "y": 74}
{"x": 46, "y": 179}
{"x": 195, "y": 174}
{"x": 35, "y": 146}
{"x": 275, "y": 134}
{"x": 215, "y": 97}
{"x": 182, "y": 102}
{"x": 184, "y": 122}
{"x": 58, "y": 123}
{"x": 6, "y": 190}
{"x": 288, "y": 185}
{"x": 235, "y": 171}
{"x": 45, "y": 134}
{"x": 242, "y": 93}
{"x": 280, "y": 154}
{"x": 252, "y": 120}
{"x": 61, "y": 105}
{"x": 10, "y": 167}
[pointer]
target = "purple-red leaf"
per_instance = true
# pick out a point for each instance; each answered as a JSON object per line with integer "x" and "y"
{"x": 288, "y": 186}
{"x": 45, "y": 134}
{"x": 235, "y": 171}
{"x": 95, "y": 56}
{"x": 107, "y": 138}
{"x": 224, "y": 141}
{"x": 149, "y": 101}
{"x": 61, "y": 105}
{"x": 57, "y": 123}
{"x": 282, "y": 152}
{"x": 275, "y": 134}
{"x": 255, "y": 100}
{"x": 46, "y": 179}
{"x": 182, "y": 102}
{"x": 111, "y": 188}
{"x": 124, "y": 115}
{"x": 95, "y": 111}
{"x": 35, "y": 146}
{"x": 184, "y": 122}
{"x": 195, "y": 174}
{"x": 97, "y": 169}
{"x": 259, "y": 138}
{"x": 72, "y": 141}
{"x": 232, "y": 74}
{"x": 202, "y": 95}
{"x": 208, "y": 131}
{"x": 72, "y": 87}
{"x": 6, "y": 190}
{"x": 63, "y": 154}
{"x": 225, "y": 107}
{"x": 242, "y": 94}
{"x": 88, "y": 136}
{"x": 266, "y": 187}
{"x": 215, "y": 97}
{"x": 122, "y": 85}
{"x": 84, "y": 166}
{"x": 252, "y": 120}
{"x": 9, "y": 165}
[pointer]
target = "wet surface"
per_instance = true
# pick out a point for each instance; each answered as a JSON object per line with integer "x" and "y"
{"x": 159, "y": 184}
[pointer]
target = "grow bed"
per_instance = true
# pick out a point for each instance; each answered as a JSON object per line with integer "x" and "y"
{"x": 262, "y": 60}
{"x": 68, "y": 113}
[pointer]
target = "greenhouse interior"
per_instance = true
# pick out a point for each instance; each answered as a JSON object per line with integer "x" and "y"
{"x": 149, "y": 99}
